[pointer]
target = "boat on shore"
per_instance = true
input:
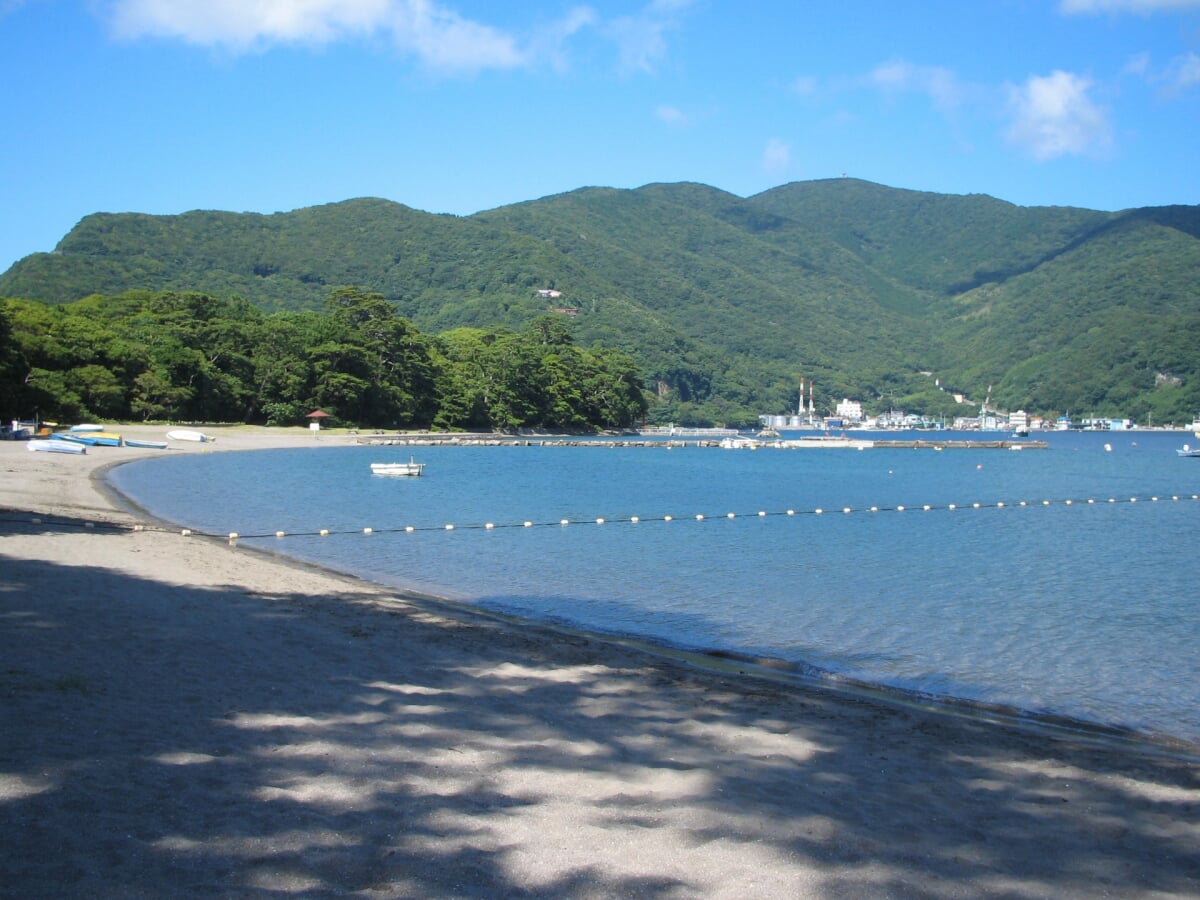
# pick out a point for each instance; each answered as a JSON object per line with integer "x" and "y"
{"x": 412, "y": 468}
{"x": 88, "y": 438}
{"x": 145, "y": 445}
{"x": 48, "y": 446}
{"x": 70, "y": 438}
{"x": 184, "y": 434}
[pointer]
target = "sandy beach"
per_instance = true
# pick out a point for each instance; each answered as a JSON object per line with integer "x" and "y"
{"x": 184, "y": 718}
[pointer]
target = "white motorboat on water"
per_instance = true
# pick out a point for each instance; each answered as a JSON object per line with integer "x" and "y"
{"x": 1189, "y": 451}
{"x": 410, "y": 468}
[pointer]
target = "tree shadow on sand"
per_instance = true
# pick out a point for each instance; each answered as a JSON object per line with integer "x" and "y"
{"x": 159, "y": 739}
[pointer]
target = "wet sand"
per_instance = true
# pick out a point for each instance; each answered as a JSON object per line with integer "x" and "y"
{"x": 179, "y": 717}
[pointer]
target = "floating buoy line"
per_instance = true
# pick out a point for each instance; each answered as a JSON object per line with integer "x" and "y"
{"x": 234, "y": 536}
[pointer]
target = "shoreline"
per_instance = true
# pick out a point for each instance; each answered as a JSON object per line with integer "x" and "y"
{"x": 798, "y": 673}
{"x": 198, "y": 719}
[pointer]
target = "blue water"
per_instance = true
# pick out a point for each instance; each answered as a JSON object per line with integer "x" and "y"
{"x": 1086, "y": 611}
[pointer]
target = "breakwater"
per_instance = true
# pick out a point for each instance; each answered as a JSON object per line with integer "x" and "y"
{"x": 821, "y": 443}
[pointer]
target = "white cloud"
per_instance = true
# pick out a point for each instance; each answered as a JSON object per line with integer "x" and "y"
{"x": 805, "y": 85}
{"x": 1053, "y": 116}
{"x": 641, "y": 38}
{"x": 1138, "y": 64}
{"x": 939, "y": 84}
{"x": 672, "y": 115}
{"x": 245, "y": 24}
{"x": 777, "y": 157}
{"x": 433, "y": 32}
{"x": 1118, "y": 6}
{"x": 437, "y": 35}
{"x": 548, "y": 45}
{"x": 444, "y": 40}
{"x": 1185, "y": 72}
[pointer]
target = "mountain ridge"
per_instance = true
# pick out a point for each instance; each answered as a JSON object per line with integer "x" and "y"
{"x": 728, "y": 301}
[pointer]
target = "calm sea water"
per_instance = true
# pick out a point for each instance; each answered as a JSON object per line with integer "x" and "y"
{"x": 1087, "y": 611}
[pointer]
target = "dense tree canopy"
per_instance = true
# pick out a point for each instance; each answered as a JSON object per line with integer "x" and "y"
{"x": 192, "y": 357}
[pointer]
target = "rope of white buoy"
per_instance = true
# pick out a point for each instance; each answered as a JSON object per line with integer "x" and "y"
{"x": 233, "y": 537}
{"x": 12, "y": 516}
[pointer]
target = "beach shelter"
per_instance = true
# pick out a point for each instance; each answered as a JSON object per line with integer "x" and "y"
{"x": 314, "y": 419}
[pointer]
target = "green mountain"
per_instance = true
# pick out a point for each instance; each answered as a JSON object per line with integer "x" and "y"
{"x": 727, "y": 302}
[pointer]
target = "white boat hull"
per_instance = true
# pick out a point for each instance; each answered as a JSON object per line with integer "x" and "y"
{"x": 194, "y": 436}
{"x": 409, "y": 469}
{"x": 57, "y": 447}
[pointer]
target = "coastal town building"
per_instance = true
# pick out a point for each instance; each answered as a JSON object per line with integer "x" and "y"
{"x": 849, "y": 410}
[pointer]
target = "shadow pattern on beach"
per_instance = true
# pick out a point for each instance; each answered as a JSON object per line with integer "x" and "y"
{"x": 164, "y": 740}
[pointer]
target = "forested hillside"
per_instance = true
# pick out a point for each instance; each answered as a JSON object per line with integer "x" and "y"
{"x": 193, "y": 357}
{"x": 726, "y": 302}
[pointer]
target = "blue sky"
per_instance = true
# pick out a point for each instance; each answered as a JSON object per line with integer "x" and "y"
{"x": 456, "y": 106}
